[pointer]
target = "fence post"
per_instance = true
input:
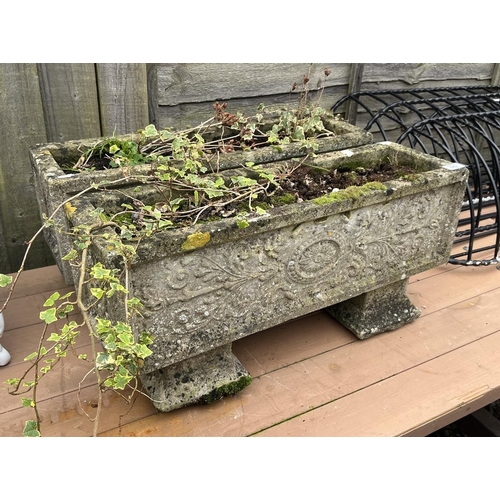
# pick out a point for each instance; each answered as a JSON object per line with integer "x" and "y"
{"x": 355, "y": 81}
{"x": 22, "y": 126}
{"x": 123, "y": 97}
{"x": 69, "y": 97}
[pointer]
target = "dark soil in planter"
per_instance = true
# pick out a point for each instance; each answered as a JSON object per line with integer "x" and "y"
{"x": 306, "y": 183}
{"x": 303, "y": 184}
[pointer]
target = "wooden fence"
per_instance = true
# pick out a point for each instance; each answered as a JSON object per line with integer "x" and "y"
{"x": 56, "y": 102}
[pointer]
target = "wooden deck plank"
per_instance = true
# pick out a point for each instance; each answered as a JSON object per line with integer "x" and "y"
{"x": 25, "y": 310}
{"x": 22, "y": 341}
{"x": 42, "y": 279}
{"x": 465, "y": 377}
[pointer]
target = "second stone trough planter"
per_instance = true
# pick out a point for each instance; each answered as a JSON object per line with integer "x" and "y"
{"x": 54, "y": 184}
{"x": 352, "y": 252}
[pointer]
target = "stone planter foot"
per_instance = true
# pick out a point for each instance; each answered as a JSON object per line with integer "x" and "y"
{"x": 202, "y": 379}
{"x": 386, "y": 308}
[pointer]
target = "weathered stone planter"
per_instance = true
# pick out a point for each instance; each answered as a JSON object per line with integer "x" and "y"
{"x": 54, "y": 186}
{"x": 352, "y": 253}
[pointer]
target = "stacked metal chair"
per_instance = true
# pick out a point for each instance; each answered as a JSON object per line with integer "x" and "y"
{"x": 460, "y": 124}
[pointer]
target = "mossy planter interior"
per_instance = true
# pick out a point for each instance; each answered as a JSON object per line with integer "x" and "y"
{"x": 53, "y": 185}
{"x": 352, "y": 252}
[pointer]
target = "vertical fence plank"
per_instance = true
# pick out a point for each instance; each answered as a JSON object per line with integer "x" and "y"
{"x": 22, "y": 126}
{"x": 153, "y": 104}
{"x": 495, "y": 74}
{"x": 123, "y": 97}
{"x": 69, "y": 96}
{"x": 355, "y": 81}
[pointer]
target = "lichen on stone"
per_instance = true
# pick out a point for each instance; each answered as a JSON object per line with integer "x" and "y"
{"x": 196, "y": 240}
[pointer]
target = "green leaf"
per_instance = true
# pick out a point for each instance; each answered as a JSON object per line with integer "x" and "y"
{"x": 27, "y": 402}
{"x": 52, "y": 299}
{"x": 31, "y": 356}
{"x": 126, "y": 338}
{"x": 104, "y": 359}
{"x": 150, "y": 131}
{"x": 121, "y": 379}
{"x": 242, "y": 224}
{"x": 31, "y": 429}
{"x": 142, "y": 351}
{"x": 243, "y": 181}
{"x": 49, "y": 316}
{"x": 97, "y": 292}
{"x": 5, "y": 280}
{"x": 114, "y": 148}
{"x": 54, "y": 337}
{"x": 71, "y": 255}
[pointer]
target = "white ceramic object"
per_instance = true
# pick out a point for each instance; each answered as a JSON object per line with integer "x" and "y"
{"x": 4, "y": 354}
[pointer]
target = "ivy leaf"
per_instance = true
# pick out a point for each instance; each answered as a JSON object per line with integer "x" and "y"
{"x": 142, "y": 351}
{"x": 97, "y": 292}
{"x": 150, "y": 131}
{"x": 5, "y": 280}
{"x": 121, "y": 379}
{"x": 31, "y": 356}
{"x": 242, "y": 224}
{"x": 126, "y": 338}
{"x": 52, "y": 299}
{"x": 27, "y": 402}
{"x": 31, "y": 429}
{"x": 104, "y": 359}
{"x": 49, "y": 316}
{"x": 54, "y": 337}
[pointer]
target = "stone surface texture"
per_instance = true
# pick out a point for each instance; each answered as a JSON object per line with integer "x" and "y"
{"x": 291, "y": 261}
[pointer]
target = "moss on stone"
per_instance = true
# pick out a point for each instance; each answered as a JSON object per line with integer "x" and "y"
{"x": 196, "y": 240}
{"x": 412, "y": 177}
{"x": 229, "y": 389}
{"x": 285, "y": 199}
{"x": 350, "y": 193}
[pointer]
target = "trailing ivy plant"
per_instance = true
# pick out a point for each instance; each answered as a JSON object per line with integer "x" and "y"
{"x": 183, "y": 167}
{"x": 118, "y": 353}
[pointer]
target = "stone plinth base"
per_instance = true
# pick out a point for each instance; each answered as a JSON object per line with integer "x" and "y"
{"x": 202, "y": 379}
{"x": 380, "y": 310}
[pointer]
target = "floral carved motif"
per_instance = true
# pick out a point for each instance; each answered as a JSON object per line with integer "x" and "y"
{"x": 249, "y": 280}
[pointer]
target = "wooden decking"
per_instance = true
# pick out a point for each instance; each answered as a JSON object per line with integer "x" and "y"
{"x": 312, "y": 377}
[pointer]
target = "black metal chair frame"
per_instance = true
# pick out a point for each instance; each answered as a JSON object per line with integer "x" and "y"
{"x": 463, "y": 126}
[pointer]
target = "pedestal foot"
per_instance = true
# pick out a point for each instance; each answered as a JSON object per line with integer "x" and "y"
{"x": 386, "y": 308}
{"x": 202, "y": 379}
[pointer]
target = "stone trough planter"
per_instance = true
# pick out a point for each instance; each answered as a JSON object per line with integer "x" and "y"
{"x": 206, "y": 286}
{"x": 54, "y": 185}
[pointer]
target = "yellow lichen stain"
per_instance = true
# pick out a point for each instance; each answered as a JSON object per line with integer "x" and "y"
{"x": 69, "y": 209}
{"x": 196, "y": 240}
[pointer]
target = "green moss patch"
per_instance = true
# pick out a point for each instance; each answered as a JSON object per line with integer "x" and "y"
{"x": 229, "y": 389}
{"x": 350, "y": 193}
